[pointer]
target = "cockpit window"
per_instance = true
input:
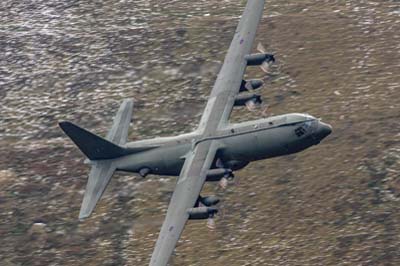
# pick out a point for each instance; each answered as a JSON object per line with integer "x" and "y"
{"x": 300, "y": 131}
{"x": 307, "y": 124}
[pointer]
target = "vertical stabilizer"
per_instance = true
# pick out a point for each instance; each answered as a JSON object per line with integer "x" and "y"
{"x": 118, "y": 133}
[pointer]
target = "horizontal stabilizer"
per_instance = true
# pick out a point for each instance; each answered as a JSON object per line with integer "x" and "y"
{"x": 93, "y": 146}
{"x": 99, "y": 177}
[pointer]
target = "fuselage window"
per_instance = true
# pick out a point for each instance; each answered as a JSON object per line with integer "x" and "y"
{"x": 300, "y": 131}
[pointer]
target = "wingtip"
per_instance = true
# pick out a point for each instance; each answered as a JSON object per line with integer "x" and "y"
{"x": 83, "y": 215}
{"x": 128, "y": 100}
{"x": 64, "y": 125}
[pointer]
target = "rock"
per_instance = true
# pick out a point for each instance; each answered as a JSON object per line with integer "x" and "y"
{"x": 181, "y": 32}
{"x": 6, "y": 176}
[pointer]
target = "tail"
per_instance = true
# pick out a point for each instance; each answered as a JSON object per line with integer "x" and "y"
{"x": 102, "y": 152}
{"x": 93, "y": 146}
{"x": 97, "y": 148}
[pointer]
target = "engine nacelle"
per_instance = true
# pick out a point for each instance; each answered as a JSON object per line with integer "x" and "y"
{"x": 200, "y": 213}
{"x": 242, "y": 100}
{"x": 209, "y": 200}
{"x": 217, "y": 174}
{"x": 252, "y": 84}
{"x": 258, "y": 59}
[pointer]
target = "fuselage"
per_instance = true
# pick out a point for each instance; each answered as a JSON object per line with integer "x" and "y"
{"x": 241, "y": 143}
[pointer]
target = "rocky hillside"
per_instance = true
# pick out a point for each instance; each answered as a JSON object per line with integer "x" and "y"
{"x": 334, "y": 204}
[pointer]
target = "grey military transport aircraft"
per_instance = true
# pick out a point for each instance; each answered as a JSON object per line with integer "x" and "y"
{"x": 211, "y": 153}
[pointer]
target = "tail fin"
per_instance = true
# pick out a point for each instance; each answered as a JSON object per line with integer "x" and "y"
{"x": 101, "y": 152}
{"x": 119, "y": 130}
{"x": 93, "y": 146}
{"x": 97, "y": 148}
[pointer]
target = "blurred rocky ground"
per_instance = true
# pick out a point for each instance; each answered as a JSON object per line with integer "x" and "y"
{"x": 334, "y": 204}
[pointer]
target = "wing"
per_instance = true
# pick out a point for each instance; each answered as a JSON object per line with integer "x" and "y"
{"x": 189, "y": 185}
{"x": 218, "y": 109}
{"x": 227, "y": 85}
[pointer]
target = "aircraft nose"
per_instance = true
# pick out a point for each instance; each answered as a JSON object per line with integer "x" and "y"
{"x": 323, "y": 130}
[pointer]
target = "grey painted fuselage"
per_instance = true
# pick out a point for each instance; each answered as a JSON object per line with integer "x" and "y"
{"x": 242, "y": 143}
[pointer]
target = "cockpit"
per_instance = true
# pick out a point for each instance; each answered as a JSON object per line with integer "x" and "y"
{"x": 304, "y": 123}
{"x": 297, "y": 118}
{"x": 307, "y": 125}
{"x": 303, "y": 128}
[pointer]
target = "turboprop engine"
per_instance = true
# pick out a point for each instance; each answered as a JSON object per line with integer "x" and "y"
{"x": 251, "y": 101}
{"x": 258, "y": 59}
{"x": 261, "y": 59}
{"x": 242, "y": 100}
{"x": 217, "y": 174}
{"x": 252, "y": 84}
{"x": 201, "y": 213}
{"x": 220, "y": 174}
{"x": 209, "y": 200}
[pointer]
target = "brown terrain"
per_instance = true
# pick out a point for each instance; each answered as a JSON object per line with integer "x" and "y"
{"x": 337, "y": 203}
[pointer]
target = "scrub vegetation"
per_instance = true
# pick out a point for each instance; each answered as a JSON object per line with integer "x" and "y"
{"x": 334, "y": 204}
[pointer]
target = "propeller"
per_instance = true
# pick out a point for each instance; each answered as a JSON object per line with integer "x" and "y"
{"x": 211, "y": 223}
{"x": 264, "y": 108}
{"x": 248, "y": 86}
{"x": 261, "y": 48}
{"x": 222, "y": 214}
{"x": 265, "y": 66}
{"x": 254, "y": 103}
{"x": 223, "y": 183}
{"x": 251, "y": 105}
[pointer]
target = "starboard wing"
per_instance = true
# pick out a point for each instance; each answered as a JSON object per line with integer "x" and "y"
{"x": 227, "y": 85}
{"x": 186, "y": 193}
{"x": 216, "y": 114}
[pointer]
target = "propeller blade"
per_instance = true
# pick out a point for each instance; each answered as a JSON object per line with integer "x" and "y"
{"x": 251, "y": 105}
{"x": 223, "y": 183}
{"x": 264, "y": 111}
{"x": 236, "y": 182}
{"x": 261, "y": 48}
{"x": 249, "y": 87}
{"x": 265, "y": 66}
{"x": 211, "y": 223}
